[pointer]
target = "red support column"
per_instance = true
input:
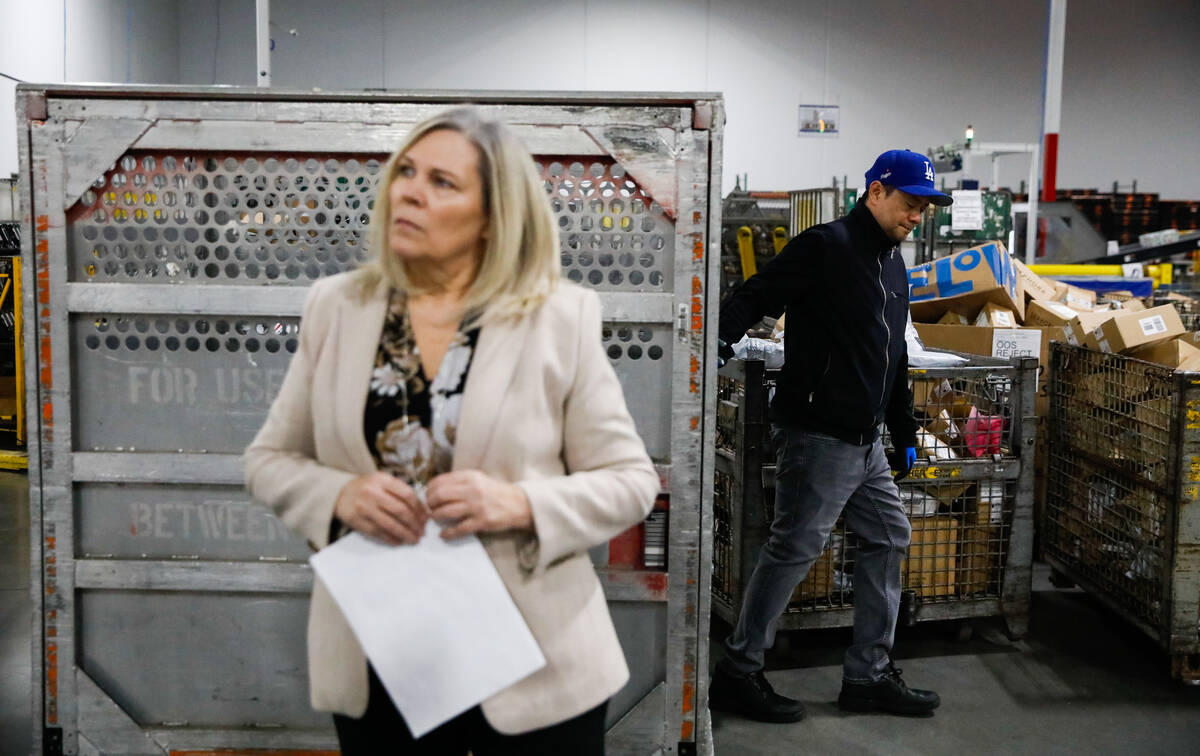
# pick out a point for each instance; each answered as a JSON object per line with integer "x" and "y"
{"x": 1049, "y": 167}
{"x": 1056, "y": 33}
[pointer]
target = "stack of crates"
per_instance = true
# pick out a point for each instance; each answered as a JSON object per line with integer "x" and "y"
{"x": 969, "y": 499}
{"x": 1122, "y": 512}
{"x": 1133, "y": 214}
{"x": 1183, "y": 215}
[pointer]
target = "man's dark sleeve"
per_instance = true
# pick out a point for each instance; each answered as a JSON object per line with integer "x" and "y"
{"x": 786, "y": 277}
{"x": 899, "y": 414}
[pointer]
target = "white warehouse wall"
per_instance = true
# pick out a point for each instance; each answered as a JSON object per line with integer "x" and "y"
{"x": 57, "y": 41}
{"x": 1131, "y": 97}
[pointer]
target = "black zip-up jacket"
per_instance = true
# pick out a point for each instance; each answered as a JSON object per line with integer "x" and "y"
{"x": 845, "y": 289}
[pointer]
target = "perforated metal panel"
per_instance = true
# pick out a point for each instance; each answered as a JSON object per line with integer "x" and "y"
{"x": 173, "y": 237}
{"x": 614, "y": 236}
{"x": 219, "y": 217}
{"x": 140, "y": 380}
{"x": 207, "y": 217}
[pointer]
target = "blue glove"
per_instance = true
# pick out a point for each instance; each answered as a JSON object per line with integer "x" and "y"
{"x": 902, "y": 462}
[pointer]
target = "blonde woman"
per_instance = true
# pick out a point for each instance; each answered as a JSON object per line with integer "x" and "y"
{"x": 457, "y": 377}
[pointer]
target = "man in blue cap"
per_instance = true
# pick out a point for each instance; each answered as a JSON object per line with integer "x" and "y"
{"x": 845, "y": 290}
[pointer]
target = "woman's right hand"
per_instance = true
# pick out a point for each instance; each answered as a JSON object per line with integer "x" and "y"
{"x": 383, "y": 507}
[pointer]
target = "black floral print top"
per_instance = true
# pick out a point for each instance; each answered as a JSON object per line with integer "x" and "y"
{"x": 411, "y": 422}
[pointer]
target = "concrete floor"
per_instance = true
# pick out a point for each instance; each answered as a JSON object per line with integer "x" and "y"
{"x": 1082, "y": 681}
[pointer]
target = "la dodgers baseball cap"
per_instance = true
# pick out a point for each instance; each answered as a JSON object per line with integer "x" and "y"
{"x": 909, "y": 172}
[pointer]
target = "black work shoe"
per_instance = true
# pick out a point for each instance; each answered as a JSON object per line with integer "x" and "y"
{"x": 752, "y": 697}
{"x": 889, "y": 694}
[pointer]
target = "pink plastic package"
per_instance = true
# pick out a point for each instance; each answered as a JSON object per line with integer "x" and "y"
{"x": 982, "y": 433}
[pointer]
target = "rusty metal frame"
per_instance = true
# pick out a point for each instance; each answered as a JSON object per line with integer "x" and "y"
{"x": 70, "y": 134}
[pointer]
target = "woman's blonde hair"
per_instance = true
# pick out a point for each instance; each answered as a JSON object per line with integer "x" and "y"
{"x": 520, "y": 264}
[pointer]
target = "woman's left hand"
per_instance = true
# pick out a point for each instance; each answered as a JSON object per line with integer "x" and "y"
{"x": 474, "y": 501}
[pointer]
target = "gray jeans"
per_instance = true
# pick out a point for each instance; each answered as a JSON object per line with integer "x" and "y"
{"x": 817, "y": 477}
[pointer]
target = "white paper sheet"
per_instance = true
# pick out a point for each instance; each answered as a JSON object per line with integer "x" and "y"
{"x": 435, "y": 620}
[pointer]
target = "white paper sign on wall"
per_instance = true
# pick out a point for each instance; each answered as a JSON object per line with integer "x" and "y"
{"x": 966, "y": 214}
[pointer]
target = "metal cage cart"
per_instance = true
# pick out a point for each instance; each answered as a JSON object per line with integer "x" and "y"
{"x": 1189, "y": 312}
{"x": 969, "y": 499}
{"x": 169, "y": 236}
{"x": 754, "y": 228}
{"x": 1122, "y": 510}
{"x": 757, "y": 225}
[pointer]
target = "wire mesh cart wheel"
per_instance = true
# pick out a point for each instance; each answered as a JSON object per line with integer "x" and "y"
{"x": 969, "y": 499}
{"x": 1122, "y": 515}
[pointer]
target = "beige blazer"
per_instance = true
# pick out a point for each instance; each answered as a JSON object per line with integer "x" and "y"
{"x": 542, "y": 408}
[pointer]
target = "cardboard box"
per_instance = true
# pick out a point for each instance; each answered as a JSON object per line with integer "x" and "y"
{"x": 932, "y": 556}
{"x": 1128, "y": 330}
{"x": 1046, "y": 313}
{"x": 996, "y": 316}
{"x": 1083, "y": 300}
{"x": 1034, "y": 286}
{"x": 945, "y": 429}
{"x": 1153, "y": 418}
{"x": 1124, "y": 300}
{"x": 1174, "y": 296}
{"x": 1190, "y": 365}
{"x": 818, "y": 583}
{"x": 954, "y": 318}
{"x": 1191, "y": 337}
{"x": 976, "y": 340}
{"x": 931, "y": 395}
{"x": 964, "y": 282}
{"x": 1080, "y": 332}
{"x": 1130, "y": 305}
{"x": 992, "y": 342}
{"x": 982, "y": 542}
{"x": 1171, "y": 353}
{"x": 946, "y": 492}
{"x": 930, "y": 446}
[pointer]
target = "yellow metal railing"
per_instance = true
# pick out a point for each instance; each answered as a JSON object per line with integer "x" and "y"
{"x": 1160, "y": 273}
{"x": 745, "y": 239}
{"x": 779, "y": 236}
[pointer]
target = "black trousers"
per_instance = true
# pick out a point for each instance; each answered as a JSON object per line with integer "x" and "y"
{"x": 382, "y": 730}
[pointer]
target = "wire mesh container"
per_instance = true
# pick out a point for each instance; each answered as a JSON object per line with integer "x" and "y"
{"x": 968, "y": 499}
{"x": 1121, "y": 516}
